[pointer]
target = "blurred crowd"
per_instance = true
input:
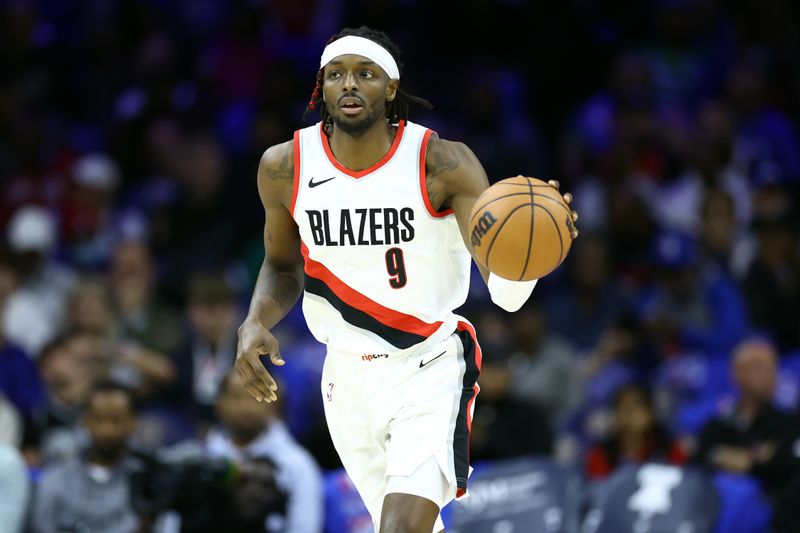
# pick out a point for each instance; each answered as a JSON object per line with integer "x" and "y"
{"x": 130, "y": 133}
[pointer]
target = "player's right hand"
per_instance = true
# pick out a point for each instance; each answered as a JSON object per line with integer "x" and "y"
{"x": 255, "y": 341}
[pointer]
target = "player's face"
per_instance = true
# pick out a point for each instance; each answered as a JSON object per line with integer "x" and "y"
{"x": 356, "y": 92}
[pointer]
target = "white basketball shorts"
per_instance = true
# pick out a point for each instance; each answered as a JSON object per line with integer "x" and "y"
{"x": 388, "y": 415}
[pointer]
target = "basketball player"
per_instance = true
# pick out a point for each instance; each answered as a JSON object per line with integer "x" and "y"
{"x": 367, "y": 213}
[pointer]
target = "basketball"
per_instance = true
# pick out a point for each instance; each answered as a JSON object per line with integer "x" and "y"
{"x": 520, "y": 228}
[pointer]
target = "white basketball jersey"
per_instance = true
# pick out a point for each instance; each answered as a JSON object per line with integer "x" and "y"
{"x": 383, "y": 270}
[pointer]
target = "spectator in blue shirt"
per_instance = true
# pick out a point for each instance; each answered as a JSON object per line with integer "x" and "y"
{"x": 689, "y": 309}
{"x": 766, "y": 140}
{"x": 19, "y": 379}
{"x": 581, "y": 311}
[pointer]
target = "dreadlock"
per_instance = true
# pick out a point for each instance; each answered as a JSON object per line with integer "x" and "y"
{"x": 397, "y": 109}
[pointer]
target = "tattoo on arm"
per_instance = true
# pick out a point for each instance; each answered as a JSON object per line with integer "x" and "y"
{"x": 275, "y": 293}
{"x": 437, "y": 197}
{"x": 283, "y": 169}
{"x": 285, "y": 288}
{"x": 442, "y": 162}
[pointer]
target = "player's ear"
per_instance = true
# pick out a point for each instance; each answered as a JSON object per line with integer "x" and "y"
{"x": 391, "y": 89}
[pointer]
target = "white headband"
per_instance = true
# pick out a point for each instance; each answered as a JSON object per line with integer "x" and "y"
{"x": 362, "y": 47}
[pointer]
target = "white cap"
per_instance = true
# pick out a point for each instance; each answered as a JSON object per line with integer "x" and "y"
{"x": 32, "y": 228}
{"x": 97, "y": 171}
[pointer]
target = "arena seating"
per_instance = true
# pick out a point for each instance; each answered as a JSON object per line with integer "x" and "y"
{"x": 539, "y": 495}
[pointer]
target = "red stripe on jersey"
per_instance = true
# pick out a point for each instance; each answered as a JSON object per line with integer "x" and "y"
{"x": 423, "y": 184}
{"x": 476, "y": 361}
{"x": 466, "y": 326}
{"x": 296, "y": 177}
{"x": 353, "y": 298}
{"x": 476, "y": 389}
{"x": 361, "y": 173}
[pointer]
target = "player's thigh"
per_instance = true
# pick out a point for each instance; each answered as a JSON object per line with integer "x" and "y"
{"x": 426, "y": 424}
{"x": 344, "y": 390}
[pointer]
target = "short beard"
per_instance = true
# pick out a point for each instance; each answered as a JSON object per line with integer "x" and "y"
{"x": 357, "y": 127}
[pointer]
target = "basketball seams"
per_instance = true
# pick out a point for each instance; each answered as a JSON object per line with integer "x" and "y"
{"x": 534, "y": 185}
{"x": 498, "y": 230}
{"x": 530, "y": 235}
{"x": 531, "y": 185}
{"x": 476, "y": 210}
{"x": 557, "y": 202}
{"x": 514, "y": 264}
{"x": 558, "y": 232}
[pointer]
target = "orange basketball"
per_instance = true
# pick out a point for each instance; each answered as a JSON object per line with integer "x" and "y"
{"x": 520, "y": 228}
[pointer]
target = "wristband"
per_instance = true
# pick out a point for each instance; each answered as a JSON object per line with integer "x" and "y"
{"x": 510, "y": 295}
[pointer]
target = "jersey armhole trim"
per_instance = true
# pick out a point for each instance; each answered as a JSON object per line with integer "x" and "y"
{"x": 296, "y": 176}
{"x": 423, "y": 186}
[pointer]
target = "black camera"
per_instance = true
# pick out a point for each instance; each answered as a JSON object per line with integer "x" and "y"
{"x": 209, "y": 494}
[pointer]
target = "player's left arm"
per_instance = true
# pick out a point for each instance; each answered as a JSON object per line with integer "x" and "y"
{"x": 455, "y": 179}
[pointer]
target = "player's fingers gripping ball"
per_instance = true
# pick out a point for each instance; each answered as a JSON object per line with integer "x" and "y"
{"x": 522, "y": 228}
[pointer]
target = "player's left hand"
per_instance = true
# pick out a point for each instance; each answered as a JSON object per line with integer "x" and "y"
{"x": 568, "y": 200}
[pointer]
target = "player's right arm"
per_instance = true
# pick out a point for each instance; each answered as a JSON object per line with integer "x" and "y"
{"x": 280, "y": 279}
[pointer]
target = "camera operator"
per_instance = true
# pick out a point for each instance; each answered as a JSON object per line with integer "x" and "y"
{"x": 200, "y": 494}
{"x": 252, "y": 434}
{"x": 257, "y": 504}
{"x": 92, "y": 492}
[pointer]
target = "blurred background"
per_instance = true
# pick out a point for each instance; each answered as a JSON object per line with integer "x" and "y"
{"x": 664, "y": 352}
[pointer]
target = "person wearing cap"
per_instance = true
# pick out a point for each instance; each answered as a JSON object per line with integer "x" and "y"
{"x": 688, "y": 308}
{"x": 35, "y": 309}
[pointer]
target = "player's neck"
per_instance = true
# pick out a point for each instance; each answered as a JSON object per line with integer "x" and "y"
{"x": 363, "y": 151}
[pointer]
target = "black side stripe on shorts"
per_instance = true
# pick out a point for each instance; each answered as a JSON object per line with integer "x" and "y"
{"x": 461, "y": 432}
{"x": 358, "y": 318}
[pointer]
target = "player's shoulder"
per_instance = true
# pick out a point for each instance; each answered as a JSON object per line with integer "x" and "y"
{"x": 277, "y": 161}
{"x": 276, "y": 174}
{"x": 452, "y": 166}
{"x": 440, "y": 150}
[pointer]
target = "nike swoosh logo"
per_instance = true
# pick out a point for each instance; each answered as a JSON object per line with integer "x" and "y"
{"x": 423, "y": 363}
{"x": 312, "y": 183}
